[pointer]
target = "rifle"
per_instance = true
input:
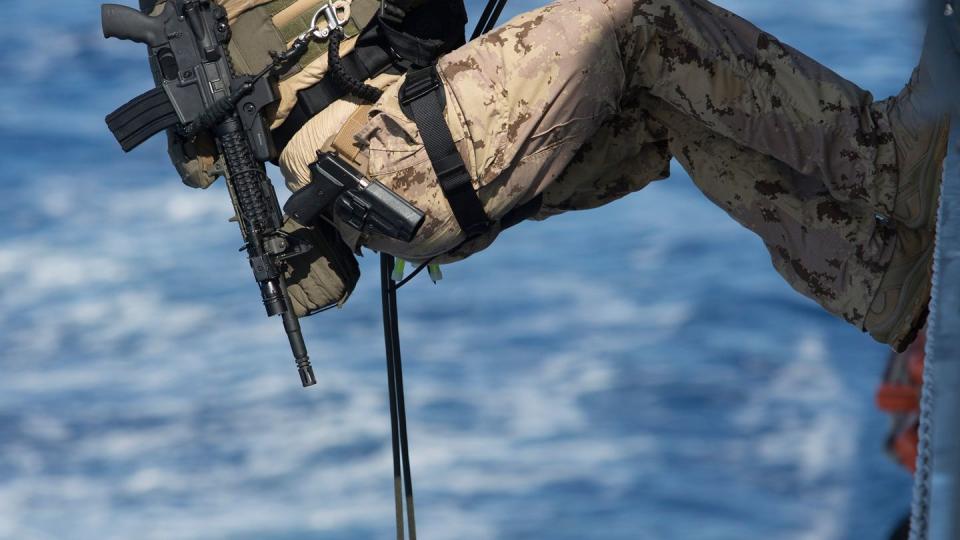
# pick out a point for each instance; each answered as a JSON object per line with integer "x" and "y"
{"x": 199, "y": 91}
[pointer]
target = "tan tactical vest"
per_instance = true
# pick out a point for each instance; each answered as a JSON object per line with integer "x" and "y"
{"x": 259, "y": 27}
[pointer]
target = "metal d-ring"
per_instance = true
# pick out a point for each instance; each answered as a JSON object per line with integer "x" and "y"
{"x": 329, "y": 12}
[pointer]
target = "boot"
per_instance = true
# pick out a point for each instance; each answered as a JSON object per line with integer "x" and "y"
{"x": 920, "y": 120}
{"x": 899, "y": 309}
{"x": 920, "y": 136}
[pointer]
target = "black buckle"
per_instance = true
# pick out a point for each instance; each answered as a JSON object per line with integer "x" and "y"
{"x": 452, "y": 167}
{"x": 419, "y": 84}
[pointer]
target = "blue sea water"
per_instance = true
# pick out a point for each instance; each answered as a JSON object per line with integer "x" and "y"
{"x": 635, "y": 372}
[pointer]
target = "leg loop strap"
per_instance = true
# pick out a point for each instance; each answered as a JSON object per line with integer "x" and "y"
{"x": 423, "y": 100}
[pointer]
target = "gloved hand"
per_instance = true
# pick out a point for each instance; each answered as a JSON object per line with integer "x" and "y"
{"x": 196, "y": 160}
{"x": 325, "y": 275}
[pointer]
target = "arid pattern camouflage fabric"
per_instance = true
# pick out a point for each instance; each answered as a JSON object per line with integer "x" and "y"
{"x": 586, "y": 101}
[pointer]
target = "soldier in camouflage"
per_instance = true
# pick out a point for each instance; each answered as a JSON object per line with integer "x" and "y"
{"x": 582, "y": 102}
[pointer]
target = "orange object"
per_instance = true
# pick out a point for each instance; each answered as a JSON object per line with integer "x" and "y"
{"x": 899, "y": 394}
{"x": 898, "y": 398}
{"x": 904, "y": 446}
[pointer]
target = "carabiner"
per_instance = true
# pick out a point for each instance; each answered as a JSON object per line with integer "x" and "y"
{"x": 329, "y": 12}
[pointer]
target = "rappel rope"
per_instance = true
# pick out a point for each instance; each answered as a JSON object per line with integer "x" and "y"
{"x": 489, "y": 17}
{"x": 402, "y": 479}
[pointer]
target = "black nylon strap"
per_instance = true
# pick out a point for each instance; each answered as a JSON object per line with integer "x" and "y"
{"x": 419, "y": 52}
{"x": 423, "y": 101}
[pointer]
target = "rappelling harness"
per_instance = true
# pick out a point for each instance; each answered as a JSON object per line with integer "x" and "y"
{"x": 382, "y": 48}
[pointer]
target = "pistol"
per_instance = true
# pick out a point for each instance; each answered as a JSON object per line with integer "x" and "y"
{"x": 337, "y": 190}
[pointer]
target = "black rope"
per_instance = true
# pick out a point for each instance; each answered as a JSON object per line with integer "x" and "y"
{"x": 495, "y": 17}
{"x": 402, "y": 479}
{"x": 484, "y": 17}
{"x": 340, "y": 75}
{"x": 488, "y": 19}
{"x": 416, "y": 272}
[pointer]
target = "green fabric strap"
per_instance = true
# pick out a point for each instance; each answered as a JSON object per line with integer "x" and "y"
{"x": 301, "y": 23}
{"x": 435, "y": 273}
{"x": 398, "y": 268}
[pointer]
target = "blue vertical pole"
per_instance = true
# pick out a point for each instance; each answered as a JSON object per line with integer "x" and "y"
{"x": 936, "y": 509}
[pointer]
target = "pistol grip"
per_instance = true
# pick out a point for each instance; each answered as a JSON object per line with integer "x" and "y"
{"x": 124, "y": 22}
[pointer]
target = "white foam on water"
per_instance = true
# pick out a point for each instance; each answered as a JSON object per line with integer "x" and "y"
{"x": 813, "y": 429}
{"x": 36, "y": 270}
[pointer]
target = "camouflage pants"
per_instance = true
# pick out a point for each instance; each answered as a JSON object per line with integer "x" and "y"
{"x": 585, "y": 101}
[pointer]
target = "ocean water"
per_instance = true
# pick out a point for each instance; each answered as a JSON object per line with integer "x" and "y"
{"x": 634, "y": 372}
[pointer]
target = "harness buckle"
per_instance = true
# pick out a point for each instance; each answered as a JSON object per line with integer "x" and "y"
{"x": 419, "y": 84}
